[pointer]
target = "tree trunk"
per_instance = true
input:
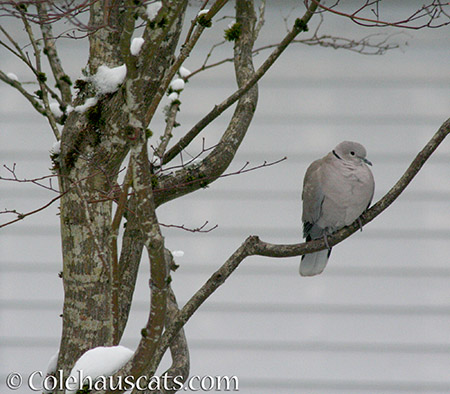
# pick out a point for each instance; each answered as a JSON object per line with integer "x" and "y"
{"x": 93, "y": 146}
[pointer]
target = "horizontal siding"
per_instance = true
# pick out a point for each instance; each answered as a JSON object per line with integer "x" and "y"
{"x": 377, "y": 320}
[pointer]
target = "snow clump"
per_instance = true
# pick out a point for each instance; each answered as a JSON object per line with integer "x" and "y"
{"x": 177, "y": 85}
{"x": 95, "y": 363}
{"x": 153, "y": 9}
{"x": 90, "y": 102}
{"x": 173, "y": 97}
{"x": 51, "y": 368}
{"x": 184, "y": 72}
{"x": 55, "y": 151}
{"x": 13, "y": 77}
{"x": 177, "y": 253}
{"x": 54, "y": 107}
{"x": 108, "y": 80}
{"x": 136, "y": 45}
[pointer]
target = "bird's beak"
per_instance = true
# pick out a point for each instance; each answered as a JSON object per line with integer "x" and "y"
{"x": 366, "y": 161}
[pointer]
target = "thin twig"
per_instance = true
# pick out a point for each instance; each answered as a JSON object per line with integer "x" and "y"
{"x": 18, "y": 50}
{"x": 242, "y": 170}
{"x": 21, "y": 216}
{"x": 193, "y": 160}
{"x": 362, "y": 46}
{"x": 424, "y": 11}
{"x": 200, "y": 229}
{"x": 205, "y": 65}
{"x": 34, "y": 181}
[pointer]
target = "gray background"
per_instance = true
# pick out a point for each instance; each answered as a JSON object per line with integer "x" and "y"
{"x": 378, "y": 318}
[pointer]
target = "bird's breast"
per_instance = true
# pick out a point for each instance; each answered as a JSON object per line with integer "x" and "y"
{"x": 347, "y": 194}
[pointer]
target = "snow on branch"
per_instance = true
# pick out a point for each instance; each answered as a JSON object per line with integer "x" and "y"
{"x": 193, "y": 36}
{"x": 97, "y": 363}
{"x": 108, "y": 80}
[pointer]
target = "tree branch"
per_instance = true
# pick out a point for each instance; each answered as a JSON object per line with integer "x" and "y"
{"x": 179, "y": 350}
{"x": 171, "y": 114}
{"x": 30, "y": 97}
{"x": 253, "y": 246}
{"x": 299, "y": 26}
{"x": 184, "y": 53}
{"x": 261, "y": 19}
{"x": 61, "y": 78}
{"x": 106, "y": 26}
{"x": 189, "y": 179}
{"x": 130, "y": 258}
{"x": 152, "y": 70}
{"x": 154, "y": 242}
{"x": 115, "y": 271}
{"x": 170, "y": 187}
{"x": 200, "y": 229}
{"x": 40, "y": 76}
{"x": 18, "y": 50}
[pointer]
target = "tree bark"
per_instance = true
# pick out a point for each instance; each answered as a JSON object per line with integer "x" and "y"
{"x": 94, "y": 145}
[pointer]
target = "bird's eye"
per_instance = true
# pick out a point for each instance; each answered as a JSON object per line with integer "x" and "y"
{"x": 352, "y": 153}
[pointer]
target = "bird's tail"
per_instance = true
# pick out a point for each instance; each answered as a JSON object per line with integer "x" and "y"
{"x": 314, "y": 263}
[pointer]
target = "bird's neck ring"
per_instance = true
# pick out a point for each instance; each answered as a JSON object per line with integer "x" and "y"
{"x": 334, "y": 153}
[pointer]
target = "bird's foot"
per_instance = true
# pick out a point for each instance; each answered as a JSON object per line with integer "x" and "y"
{"x": 360, "y": 223}
{"x": 325, "y": 238}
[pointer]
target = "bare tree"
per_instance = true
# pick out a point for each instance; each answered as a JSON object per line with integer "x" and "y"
{"x": 103, "y": 167}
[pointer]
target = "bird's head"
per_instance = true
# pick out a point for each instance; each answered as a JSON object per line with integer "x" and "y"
{"x": 352, "y": 152}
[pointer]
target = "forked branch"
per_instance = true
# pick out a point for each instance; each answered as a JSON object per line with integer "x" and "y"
{"x": 184, "y": 53}
{"x": 62, "y": 80}
{"x": 299, "y": 26}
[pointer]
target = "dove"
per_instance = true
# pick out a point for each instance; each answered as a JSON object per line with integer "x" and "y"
{"x": 337, "y": 189}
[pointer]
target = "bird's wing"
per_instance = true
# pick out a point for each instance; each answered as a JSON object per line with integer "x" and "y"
{"x": 312, "y": 196}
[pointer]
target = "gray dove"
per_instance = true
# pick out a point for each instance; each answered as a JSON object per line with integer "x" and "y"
{"x": 337, "y": 189}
